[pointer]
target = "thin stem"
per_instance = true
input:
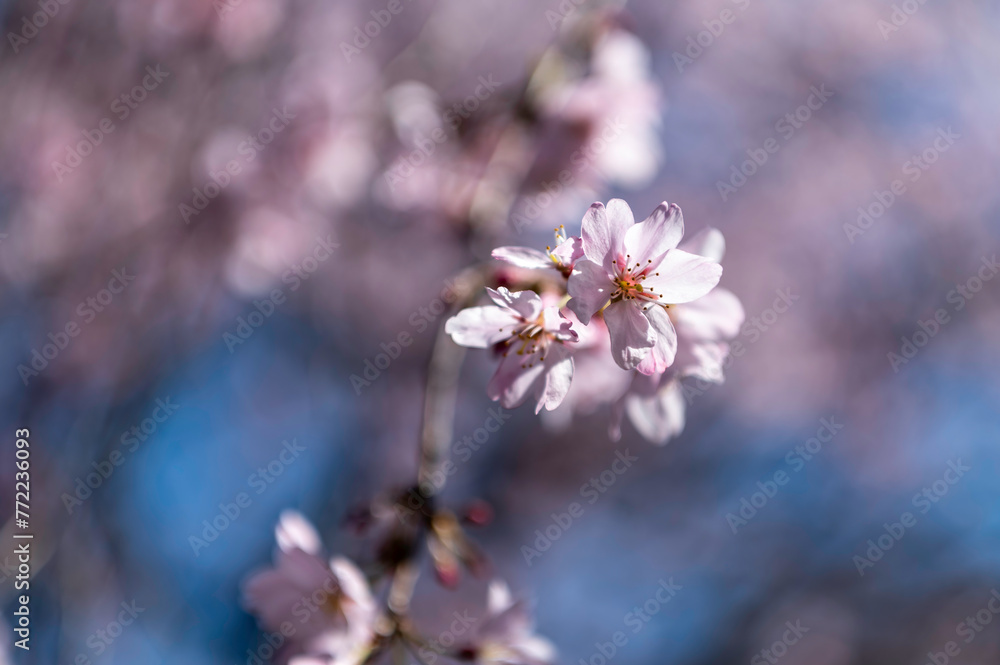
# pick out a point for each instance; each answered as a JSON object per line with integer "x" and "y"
{"x": 442, "y": 393}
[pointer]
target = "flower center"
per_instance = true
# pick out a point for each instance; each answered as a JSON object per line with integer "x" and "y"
{"x": 564, "y": 268}
{"x": 532, "y": 337}
{"x": 629, "y": 278}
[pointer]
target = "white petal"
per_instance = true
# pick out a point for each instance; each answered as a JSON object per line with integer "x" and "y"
{"x": 294, "y": 531}
{"x": 523, "y": 257}
{"x": 682, "y": 277}
{"x": 631, "y": 334}
{"x": 589, "y": 288}
{"x": 538, "y": 650}
{"x": 481, "y": 327}
{"x": 498, "y": 598}
{"x": 652, "y": 237}
{"x": 352, "y": 582}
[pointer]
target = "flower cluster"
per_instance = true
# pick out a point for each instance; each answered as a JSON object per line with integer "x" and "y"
{"x": 657, "y": 299}
{"x": 327, "y": 613}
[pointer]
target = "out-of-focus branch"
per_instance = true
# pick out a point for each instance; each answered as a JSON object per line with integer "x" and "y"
{"x": 442, "y": 390}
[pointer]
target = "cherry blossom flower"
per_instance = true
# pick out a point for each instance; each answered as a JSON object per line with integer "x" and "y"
{"x": 611, "y": 115}
{"x": 635, "y": 273}
{"x": 505, "y": 636}
{"x": 533, "y": 340}
{"x": 656, "y": 404}
{"x": 330, "y": 603}
{"x": 562, "y": 259}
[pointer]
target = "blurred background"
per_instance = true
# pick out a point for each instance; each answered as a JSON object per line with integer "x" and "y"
{"x": 214, "y": 214}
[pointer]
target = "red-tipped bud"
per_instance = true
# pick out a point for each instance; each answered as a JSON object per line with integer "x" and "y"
{"x": 478, "y": 513}
{"x": 447, "y": 573}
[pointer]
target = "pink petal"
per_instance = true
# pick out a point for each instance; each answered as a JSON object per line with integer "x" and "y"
{"x": 569, "y": 251}
{"x": 589, "y": 288}
{"x": 504, "y": 627}
{"x": 709, "y": 243}
{"x": 305, "y": 571}
{"x": 704, "y": 361}
{"x": 481, "y": 327}
{"x": 658, "y": 233}
{"x": 515, "y": 379}
{"x": 631, "y": 334}
{"x": 659, "y": 417}
{"x": 663, "y": 352}
{"x": 558, "y": 377}
{"x": 604, "y": 232}
{"x": 526, "y": 303}
{"x": 559, "y": 325}
{"x": 714, "y": 317}
{"x": 523, "y": 257}
{"x": 682, "y": 277}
